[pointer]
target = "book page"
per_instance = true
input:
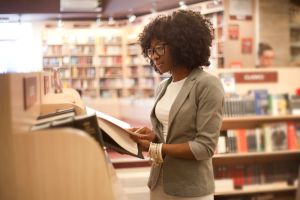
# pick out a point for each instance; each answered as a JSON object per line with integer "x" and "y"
{"x": 109, "y": 118}
{"x": 120, "y": 135}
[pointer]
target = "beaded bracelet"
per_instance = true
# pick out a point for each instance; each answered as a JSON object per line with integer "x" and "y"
{"x": 155, "y": 153}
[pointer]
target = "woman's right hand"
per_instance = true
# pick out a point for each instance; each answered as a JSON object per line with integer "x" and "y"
{"x": 143, "y": 136}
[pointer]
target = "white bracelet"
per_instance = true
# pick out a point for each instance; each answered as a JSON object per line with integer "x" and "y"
{"x": 160, "y": 152}
{"x": 155, "y": 153}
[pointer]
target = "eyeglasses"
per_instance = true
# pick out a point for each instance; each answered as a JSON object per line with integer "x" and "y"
{"x": 158, "y": 49}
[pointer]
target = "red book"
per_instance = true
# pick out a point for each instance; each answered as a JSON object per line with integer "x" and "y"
{"x": 242, "y": 140}
{"x": 291, "y": 136}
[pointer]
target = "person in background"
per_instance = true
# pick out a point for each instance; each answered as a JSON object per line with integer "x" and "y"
{"x": 187, "y": 113}
{"x": 265, "y": 55}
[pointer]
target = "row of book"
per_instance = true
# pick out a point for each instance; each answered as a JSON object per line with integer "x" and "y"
{"x": 257, "y": 173}
{"x": 270, "y": 137}
{"x": 82, "y": 49}
{"x": 110, "y": 61}
{"x": 111, "y": 50}
{"x": 110, "y": 72}
{"x": 111, "y": 40}
{"x": 133, "y": 49}
{"x": 260, "y": 102}
{"x": 82, "y": 60}
{"x": 52, "y": 62}
{"x": 54, "y": 50}
{"x": 83, "y": 84}
{"x": 74, "y": 72}
{"x": 117, "y": 93}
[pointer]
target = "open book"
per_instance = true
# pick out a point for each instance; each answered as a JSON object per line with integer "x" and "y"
{"x": 115, "y": 134}
{"x": 87, "y": 123}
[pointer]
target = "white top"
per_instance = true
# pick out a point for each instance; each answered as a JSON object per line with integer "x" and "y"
{"x": 163, "y": 106}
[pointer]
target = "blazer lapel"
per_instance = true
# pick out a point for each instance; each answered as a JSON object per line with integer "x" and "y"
{"x": 182, "y": 95}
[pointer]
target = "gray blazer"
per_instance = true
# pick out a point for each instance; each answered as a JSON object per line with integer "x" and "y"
{"x": 195, "y": 117}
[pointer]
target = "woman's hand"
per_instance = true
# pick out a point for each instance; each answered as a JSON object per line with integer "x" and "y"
{"x": 143, "y": 137}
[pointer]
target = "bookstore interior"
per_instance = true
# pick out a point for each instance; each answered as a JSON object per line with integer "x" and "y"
{"x": 73, "y": 80}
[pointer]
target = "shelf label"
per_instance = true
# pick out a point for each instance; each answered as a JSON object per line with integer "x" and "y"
{"x": 30, "y": 91}
{"x": 256, "y": 77}
{"x": 46, "y": 85}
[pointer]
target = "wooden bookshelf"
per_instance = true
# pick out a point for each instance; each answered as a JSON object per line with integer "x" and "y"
{"x": 251, "y": 157}
{"x": 259, "y": 188}
{"x": 254, "y": 121}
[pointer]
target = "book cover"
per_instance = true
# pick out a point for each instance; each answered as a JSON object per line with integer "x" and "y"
{"x": 297, "y": 130}
{"x": 261, "y": 101}
{"x": 228, "y": 82}
{"x": 291, "y": 136}
{"x": 276, "y": 136}
{"x": 87, "y": 123}
{"x": 54, "y": 117}
{"x": 251, "y": 140}
{"x": 241, "y": 140}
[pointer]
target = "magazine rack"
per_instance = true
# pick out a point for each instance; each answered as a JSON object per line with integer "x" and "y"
{"x": 51, "y": 164}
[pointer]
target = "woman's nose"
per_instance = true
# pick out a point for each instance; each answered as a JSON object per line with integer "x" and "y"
{"x": 155, "y": 55}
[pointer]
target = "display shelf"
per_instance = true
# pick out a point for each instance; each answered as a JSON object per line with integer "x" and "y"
{"x": 254, "y": 121}
{"x": 250, "y": 157}
{"x": 125, "y": 161}
{"x": 260, "y": 188}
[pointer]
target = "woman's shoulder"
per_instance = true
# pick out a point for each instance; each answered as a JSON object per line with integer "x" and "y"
{"x": 206, "y": 81}
{"x": 205, "y": 78}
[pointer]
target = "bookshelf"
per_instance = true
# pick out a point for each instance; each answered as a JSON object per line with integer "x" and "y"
{"x": 255, "y": 121}
{"x": 103, "y": 61}
{"x": 295, "y": 32}
{"x": 257, "y": 189}
{"x": 251, "y": 162}
{"x": 141, "y": 79}
{"x": 217, "y": 56}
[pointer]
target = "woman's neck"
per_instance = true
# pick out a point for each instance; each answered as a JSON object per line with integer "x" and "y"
{"x": 179, "y": 73}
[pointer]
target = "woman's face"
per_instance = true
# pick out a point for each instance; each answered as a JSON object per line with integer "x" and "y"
{"x": 159, "y": 53}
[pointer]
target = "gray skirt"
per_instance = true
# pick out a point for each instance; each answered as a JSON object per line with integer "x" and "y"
{"x": 158, "y": 193}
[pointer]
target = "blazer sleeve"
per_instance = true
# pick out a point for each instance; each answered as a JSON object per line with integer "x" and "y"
{"x": 209, "y": 118}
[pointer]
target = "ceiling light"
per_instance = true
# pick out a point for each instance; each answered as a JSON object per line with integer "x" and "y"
{"x": 216, "y": 2}
{"x": 20, "y": 19}
{"x": 182, "y": 5}
{"x": 131, "y": 18}
{"x": 98, "y": 21}
{"x": 111, "y": 20}
{"x": 60, "y": 23}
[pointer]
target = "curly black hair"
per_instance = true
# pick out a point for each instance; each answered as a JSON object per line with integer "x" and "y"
{"x": 188, "y": 35}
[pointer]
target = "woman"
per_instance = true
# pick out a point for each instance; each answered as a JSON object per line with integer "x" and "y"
{"x": 187, "y": 114}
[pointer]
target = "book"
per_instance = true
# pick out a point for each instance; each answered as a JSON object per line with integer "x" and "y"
{"x": 291, "y": 135}
{"x": 275, "y": 136}
{"x": 261, "y": 101}
{"x": 228, "y": 82}
{"x": 116, "y": 135}
{"x": 58, "y": 115}
{"x": 58, "y": 112}
{"x": 87, "y": 123}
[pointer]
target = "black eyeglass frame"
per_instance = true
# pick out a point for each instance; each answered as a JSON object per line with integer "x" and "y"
{"x": 154, "y": 50}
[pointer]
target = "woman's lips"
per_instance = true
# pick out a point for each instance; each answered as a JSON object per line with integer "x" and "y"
{"x": 158, "y": 64}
